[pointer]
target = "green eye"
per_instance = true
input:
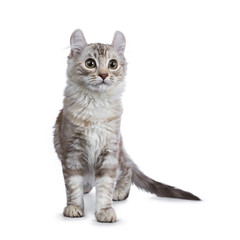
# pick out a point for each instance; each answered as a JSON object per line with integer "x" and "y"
{"x": 90, "y": 63}
{"x": 113, "y": 64}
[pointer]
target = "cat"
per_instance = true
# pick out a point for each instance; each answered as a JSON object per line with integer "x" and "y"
{"x": 87, "y": 134}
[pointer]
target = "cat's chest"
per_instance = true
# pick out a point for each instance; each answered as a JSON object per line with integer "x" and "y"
{"x": 99, "y": 136}
{"x": 99, "y": 111}
{"x": 90, "y": 109}
{"x": 99, "y": 123}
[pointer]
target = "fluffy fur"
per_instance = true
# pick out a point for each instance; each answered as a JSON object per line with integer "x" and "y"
{"x": 87, "y": 134}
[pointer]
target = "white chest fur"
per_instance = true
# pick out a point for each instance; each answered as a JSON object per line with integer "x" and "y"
{"x": 98, "y": 135}
{"x": 97, "y": 116}
{"x": 99, "y": 121}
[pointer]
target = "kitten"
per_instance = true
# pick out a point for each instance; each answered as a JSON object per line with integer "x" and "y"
{"x": 87, "y": 134}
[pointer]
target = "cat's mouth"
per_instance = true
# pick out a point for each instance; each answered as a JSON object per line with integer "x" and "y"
{"x": 102, "y": 83}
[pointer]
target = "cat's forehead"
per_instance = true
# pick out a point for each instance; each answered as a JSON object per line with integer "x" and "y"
{"x": 99, "y": 50}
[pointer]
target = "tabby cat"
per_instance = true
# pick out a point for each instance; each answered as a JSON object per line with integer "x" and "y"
{"x": 87, "y": 134}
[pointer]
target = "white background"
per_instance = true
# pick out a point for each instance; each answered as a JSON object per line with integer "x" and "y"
{"x": 181, "y": 121}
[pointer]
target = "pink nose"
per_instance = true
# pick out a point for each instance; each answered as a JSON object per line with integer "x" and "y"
{"x": 103, "y": 75}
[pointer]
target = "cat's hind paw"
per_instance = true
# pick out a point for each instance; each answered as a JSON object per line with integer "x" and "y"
{"x": 120, "y": 194}
{"x": 72, "y": 211}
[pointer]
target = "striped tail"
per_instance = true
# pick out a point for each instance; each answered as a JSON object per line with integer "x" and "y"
{"x": 160, "y": 189}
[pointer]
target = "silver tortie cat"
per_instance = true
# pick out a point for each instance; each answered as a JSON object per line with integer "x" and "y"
{"x": 87, "y": 134}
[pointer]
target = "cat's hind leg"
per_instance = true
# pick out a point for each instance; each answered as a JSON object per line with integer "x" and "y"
{"x": 88, "y": 184}
{"x": 123, "y": 184}
{"x": 87, "y": 187}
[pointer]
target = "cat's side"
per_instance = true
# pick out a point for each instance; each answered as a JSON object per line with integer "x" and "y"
{"x": 87, "y": 134}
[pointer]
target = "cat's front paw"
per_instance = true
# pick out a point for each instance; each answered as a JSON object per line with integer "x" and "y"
{"x": 106, "y": 215}
{"x": 72, "y": 211}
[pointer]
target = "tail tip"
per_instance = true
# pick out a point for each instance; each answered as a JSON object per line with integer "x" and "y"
{"x": 195, "y": 198}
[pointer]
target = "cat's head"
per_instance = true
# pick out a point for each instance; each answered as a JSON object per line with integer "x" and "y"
{"x": 97, "y": 67}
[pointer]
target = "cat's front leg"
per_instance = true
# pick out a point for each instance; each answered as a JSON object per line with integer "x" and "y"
{"x": 104, "y": 181}
{"x": 74, "y": 189}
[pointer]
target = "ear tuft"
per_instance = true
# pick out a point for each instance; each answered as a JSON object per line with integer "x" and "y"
{"x": 119, "y": 42}
{"x": 77, "y": 42}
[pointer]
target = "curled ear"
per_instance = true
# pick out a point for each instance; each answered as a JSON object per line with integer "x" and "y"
{"x": 77, "y": 42}
{"x": 119, "y": 42}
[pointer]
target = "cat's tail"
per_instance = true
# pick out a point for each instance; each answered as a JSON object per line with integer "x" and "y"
{"x": 160, "y": 189}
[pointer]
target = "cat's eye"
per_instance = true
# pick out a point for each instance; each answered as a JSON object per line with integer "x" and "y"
{"x": 90, "y": 63}
{"x": 113, "y": 64}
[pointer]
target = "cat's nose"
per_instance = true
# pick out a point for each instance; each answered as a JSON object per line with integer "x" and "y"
{"x": 103, "y": 75}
